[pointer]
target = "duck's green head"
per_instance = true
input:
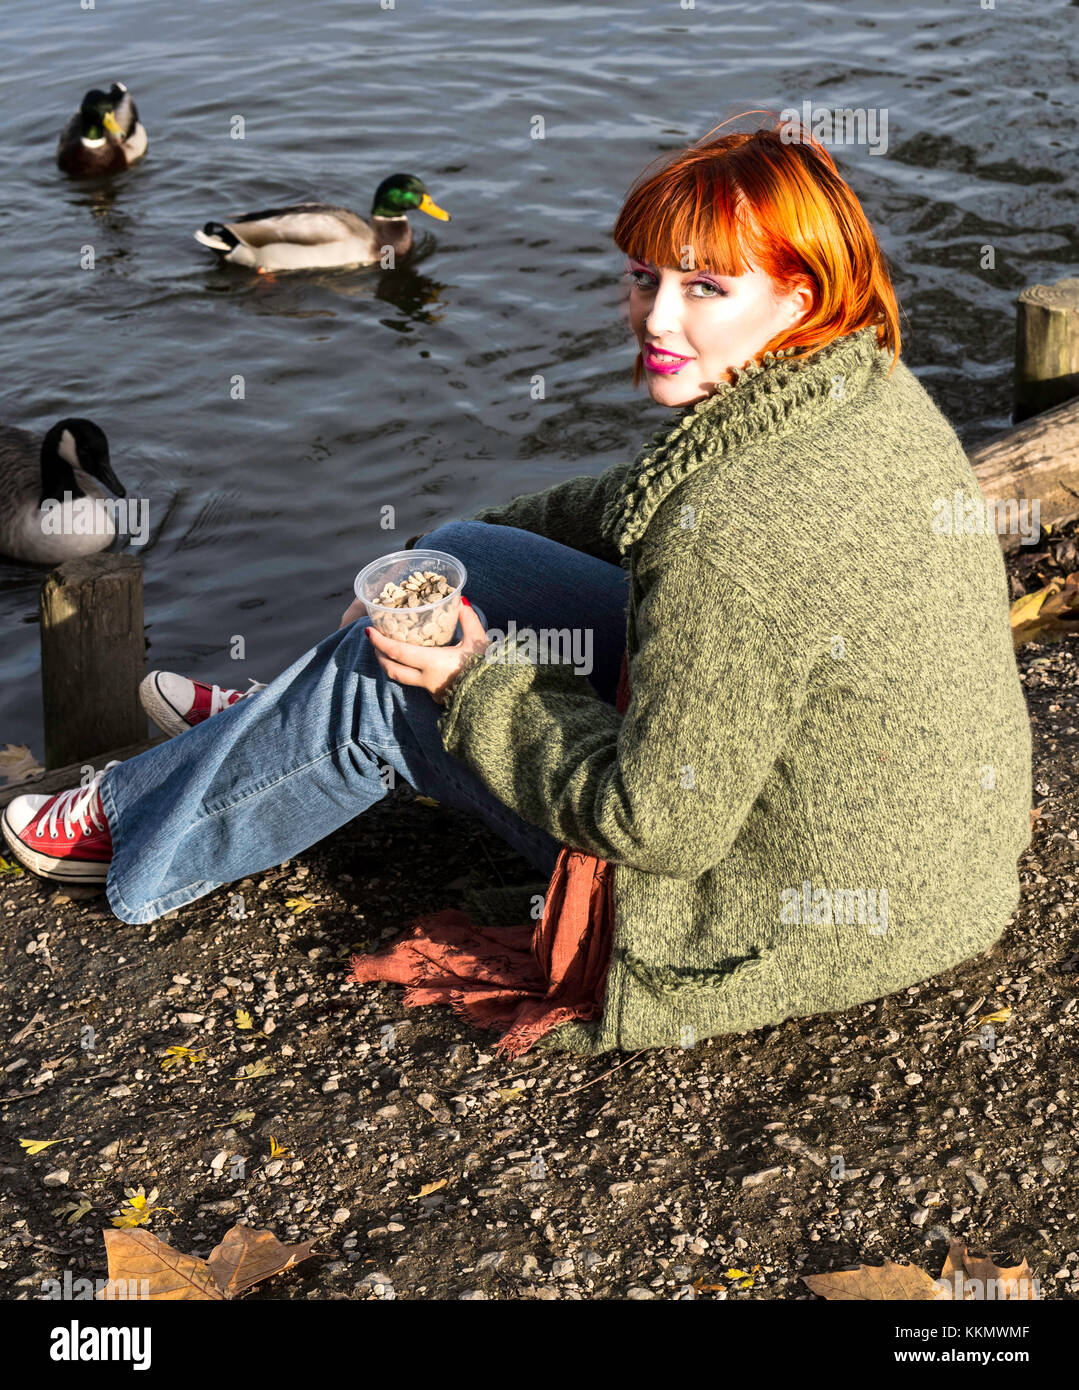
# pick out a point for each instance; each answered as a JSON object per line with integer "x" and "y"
{"x": 401, "y": 194}
{"x": 98, "y": 112}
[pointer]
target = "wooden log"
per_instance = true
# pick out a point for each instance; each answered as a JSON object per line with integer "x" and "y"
{"x": 93, "y": 657}
{"x": 1035, "y": 461}
{"x": 1046, "y": 347}
{"x": 61, "y": 778}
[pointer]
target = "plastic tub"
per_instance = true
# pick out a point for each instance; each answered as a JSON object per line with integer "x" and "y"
{"x": 427, "y": 624}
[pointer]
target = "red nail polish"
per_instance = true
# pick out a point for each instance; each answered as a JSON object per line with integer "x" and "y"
{"x": 465, "y": 601}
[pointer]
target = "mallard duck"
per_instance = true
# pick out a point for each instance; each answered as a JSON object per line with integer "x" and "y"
{"x": 316, "y": 234}
{"x": 63, "y": 468}
{"x": 104, "y": 136}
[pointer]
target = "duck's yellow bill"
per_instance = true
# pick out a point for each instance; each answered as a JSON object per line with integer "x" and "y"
{"x": 112, "y": 124}
{"x": 432, "y": 209}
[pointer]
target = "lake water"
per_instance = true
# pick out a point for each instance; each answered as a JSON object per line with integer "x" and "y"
{"x": 411, "y": 389}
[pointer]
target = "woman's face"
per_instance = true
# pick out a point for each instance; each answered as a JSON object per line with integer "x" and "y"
{"x": 693, "y": 326}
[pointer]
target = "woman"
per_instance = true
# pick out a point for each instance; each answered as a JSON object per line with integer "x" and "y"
{"x": 812, "y": 783}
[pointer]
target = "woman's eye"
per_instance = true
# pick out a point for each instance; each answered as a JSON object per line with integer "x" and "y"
{"x": 707, "y": 290}
{"x": 643, "y": 279}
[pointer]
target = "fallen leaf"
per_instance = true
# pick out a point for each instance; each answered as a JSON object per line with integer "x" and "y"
{"x": 140, "y": 1255}
{"x": 9, "y": 869}
{"x": 964, "y": 1276}
{"x": 888, "y": 1282}
{"x": 1047, "y": 614}
{"x": 244, "y": 1019}
{"x": 511, "y": 1093}
{"x": 74, "y": 1211}
{"x": 138, "y": 1209}
{"x": 243, "y": 1117}
{"x": 276, "y": 1149}
{"x": 181, "y": 1057}
{"x": 246, "y": 1257}
{"x": 428, "y": 1188}
{"x": 975, "y": 1277}
{"x": 17, "y": 763}
{"x": 253, "y": 1069}
{"x": 425, "y": 800}
{"x": 298, "y": 905}
{"x": 1001, "y": 1016}
{"x": 35, "y": 1146}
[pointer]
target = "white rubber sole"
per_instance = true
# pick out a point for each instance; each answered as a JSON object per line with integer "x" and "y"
{"x": 166, "y": 716}
{"x": 45, "y": 866}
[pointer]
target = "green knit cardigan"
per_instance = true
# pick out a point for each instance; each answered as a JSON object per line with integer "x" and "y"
{"x": 822, "y": 784}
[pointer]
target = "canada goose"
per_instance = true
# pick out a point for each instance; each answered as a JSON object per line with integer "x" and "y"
{"x": 310, "y": 235}
{"x": 76, "y": 521}
{"x": 104, "y": 136}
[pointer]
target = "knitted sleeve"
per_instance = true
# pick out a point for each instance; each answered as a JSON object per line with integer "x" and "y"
{"x": 716, "y": 686}
{"x": 569, "y": 512}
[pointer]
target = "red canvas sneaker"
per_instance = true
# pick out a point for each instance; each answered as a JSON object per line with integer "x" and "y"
{"x": 64, "y": 836}
{"x": 175, "y": 703}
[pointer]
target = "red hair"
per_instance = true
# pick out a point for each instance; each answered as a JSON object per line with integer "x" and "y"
{"x": 754, "y": 197}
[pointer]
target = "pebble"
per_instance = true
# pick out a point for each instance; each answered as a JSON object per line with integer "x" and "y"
{"x": 57, "y": 1178}
{"x": 341, "y": 1215}
{"x": 755, "y": 1179}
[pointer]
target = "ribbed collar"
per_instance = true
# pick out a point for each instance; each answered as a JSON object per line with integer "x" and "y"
{"x": 772, "y": 394}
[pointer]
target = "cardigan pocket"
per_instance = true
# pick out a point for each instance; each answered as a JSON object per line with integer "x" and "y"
{"x": 670, "y": 980}
{"x": 686, "y": 1005}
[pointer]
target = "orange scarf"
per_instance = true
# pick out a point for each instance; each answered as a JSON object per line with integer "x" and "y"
{"x": 524, "y": 980}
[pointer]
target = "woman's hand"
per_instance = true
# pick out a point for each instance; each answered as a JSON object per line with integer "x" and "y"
{"x": 430, "y": 667}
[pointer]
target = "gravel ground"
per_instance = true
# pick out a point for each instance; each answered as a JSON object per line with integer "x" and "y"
{"x": 880, "y": 1132}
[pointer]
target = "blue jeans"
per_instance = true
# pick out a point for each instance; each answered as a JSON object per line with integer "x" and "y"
{"x": 273, "y": 774}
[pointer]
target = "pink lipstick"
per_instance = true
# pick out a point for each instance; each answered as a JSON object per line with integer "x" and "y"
{"x": 659, "y": 360}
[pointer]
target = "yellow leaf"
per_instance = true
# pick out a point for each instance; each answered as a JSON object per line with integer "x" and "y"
{"x": 298, "y": 905}
{"x": 9, "y": 869}
{"x": 426, "y": 800}
{"x": 1048, "y": 614}
{"x": 244, "y": 1019}
{"x": 181, "y": 1057}
{"x": 253, "y": 1069}
{"x": 35, "y": 1146}
{"x": 428, "y": 1188}
{"x": 74, "y": 1211}
{"x": 243, "y": 1117}
{"x": 1000, "y": 1016}
{"x": 511, "y": 1093}
{"x": 138, "y": 1209}
{"x": 276, "y": 1149}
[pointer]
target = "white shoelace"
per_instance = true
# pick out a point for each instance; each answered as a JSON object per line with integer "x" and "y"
{"x": 74, "y": 806}
{"x": 219, "y": 696}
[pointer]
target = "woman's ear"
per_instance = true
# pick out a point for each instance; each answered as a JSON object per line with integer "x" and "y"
{"x": 801, "y": 300}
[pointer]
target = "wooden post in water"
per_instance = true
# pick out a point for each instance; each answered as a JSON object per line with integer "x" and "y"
{"x": 1046, "y": 347}
{"x": 93, "y": 656}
